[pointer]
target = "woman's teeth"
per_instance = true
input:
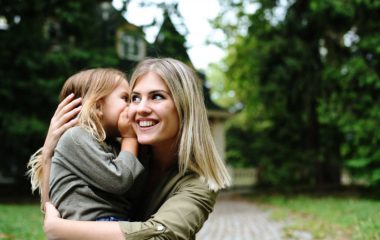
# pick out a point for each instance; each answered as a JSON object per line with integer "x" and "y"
{"x": 146, "y": 123}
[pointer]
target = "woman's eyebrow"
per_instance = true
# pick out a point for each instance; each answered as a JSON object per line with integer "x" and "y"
{"x": 159, "y": 91}
{"x": 135, "y": 93}
{"x": 153, "y": 92}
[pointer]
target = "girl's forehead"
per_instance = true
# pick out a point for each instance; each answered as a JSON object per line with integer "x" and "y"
{"x": 124, "y": 83}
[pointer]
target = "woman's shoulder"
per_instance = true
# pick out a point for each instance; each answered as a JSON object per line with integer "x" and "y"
{"x": 193, "y": 181}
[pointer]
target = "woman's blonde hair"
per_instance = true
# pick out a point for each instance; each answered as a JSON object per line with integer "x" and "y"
{"x": 197, "y": 151}
{"x": 92, "y": 85}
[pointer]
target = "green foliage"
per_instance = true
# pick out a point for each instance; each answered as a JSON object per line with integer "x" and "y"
{"x": 219, "y": 92}
{"x": 44, "y": 43}
{"x": 168, "y": 32}
{"x": 311, "y": 78}
{"x": 169, "y": 42}
{"x": 240, "y": 157}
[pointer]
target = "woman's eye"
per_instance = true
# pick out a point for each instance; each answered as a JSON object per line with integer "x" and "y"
{"x": 157, "y": 97}
{"x": 135, "y": 98}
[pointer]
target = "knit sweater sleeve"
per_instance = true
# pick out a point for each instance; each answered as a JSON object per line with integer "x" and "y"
{"x": 81, "y": 154}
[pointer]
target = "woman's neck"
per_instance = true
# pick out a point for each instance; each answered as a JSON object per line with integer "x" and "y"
{"x": 164, "y": 158}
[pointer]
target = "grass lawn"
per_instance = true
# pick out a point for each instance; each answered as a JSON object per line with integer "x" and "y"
{"x": 326, "y": 217}
{"x": 21, "y": 222}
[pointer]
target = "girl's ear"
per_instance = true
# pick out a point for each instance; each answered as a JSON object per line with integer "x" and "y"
{"x": 99, "y": 111}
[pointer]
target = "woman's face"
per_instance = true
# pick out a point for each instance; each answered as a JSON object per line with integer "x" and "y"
{"x": 153, "y": 113}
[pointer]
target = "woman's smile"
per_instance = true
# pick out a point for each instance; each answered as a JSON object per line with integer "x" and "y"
{"x": 145, "y": 123}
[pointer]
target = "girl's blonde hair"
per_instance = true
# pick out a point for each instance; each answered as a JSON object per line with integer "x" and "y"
{"x": 197, "y": 151}
{"x": 92, "y": 85}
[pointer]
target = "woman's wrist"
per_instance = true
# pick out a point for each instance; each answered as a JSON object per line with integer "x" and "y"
{"x": 46, "y": 156}
{"x": 47, "y": 151}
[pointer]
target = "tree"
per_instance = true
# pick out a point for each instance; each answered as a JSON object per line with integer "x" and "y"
{"x": 287, "y": 70}
{"x": 169, "y": 42}
{"x": 42, "y": 44}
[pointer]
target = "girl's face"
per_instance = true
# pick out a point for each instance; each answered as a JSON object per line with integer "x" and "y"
{"x": 112, "y": 106}
{"x": 152, "y": 111}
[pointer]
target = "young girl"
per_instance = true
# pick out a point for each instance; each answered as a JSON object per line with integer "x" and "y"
{"x": 88, "y": 179}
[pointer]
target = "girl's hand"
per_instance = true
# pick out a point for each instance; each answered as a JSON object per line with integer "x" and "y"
{"x": 125, "y": 125}
{"x": 63, "y": 118}
{"x": 128, "y": 135}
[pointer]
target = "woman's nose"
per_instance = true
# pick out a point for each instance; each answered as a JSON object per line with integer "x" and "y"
{"x": 143, "y": 107}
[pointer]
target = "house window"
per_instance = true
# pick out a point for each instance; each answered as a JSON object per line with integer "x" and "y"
{"x": 132, "y": 48}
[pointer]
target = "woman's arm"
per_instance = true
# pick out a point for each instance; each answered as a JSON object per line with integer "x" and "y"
{"x": 58, "y": 228}
{"x": 181, "y": 216}
{"x": 63, "y": 118}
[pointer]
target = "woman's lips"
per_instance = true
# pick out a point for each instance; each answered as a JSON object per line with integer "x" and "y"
{"x": 146, "y": 122}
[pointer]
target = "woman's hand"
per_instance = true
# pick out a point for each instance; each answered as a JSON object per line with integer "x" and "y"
{"x": 63, "y": 118}
{"x": 51, "y": 213}
{"x": 58, "y": 228}
{"x": 51, "y": 220}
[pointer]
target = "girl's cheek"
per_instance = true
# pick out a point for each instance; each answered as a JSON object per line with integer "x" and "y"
{"x": 131, "y": 111}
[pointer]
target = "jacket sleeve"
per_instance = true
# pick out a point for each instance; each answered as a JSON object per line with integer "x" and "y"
{"x": 181, "y": 216}
{"x": 81, "y": 154}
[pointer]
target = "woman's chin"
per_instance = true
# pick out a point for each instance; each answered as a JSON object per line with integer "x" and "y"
{"x": 145, "y": 140}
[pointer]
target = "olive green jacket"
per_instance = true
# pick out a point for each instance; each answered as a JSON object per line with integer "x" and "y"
{"x": 176, "y": 209}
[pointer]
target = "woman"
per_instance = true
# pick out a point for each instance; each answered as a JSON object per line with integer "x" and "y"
{"x": 185, "y": 172}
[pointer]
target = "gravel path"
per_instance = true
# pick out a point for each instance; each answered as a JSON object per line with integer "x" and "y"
{"x": 236, "y": 219}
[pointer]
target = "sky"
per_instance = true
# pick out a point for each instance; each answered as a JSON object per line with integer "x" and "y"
{"x": 196, "y": 14}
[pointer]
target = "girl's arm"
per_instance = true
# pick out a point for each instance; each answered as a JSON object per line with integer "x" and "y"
{"x": 128, "y": 135}
{"x": 63, "y": 118}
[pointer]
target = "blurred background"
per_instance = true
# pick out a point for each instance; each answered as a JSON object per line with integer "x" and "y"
{"x": 292, "y": 87}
